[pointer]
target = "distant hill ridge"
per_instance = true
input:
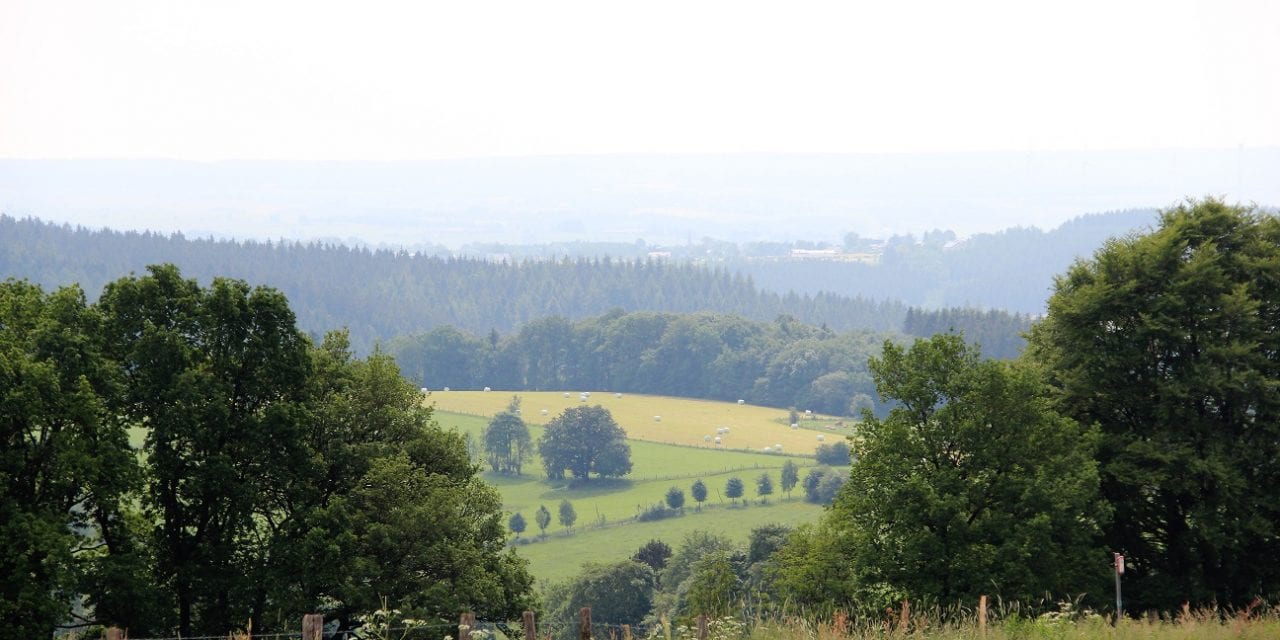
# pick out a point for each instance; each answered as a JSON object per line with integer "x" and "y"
{"x": 382, "y": 294}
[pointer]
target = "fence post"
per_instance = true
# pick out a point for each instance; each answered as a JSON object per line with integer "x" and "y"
{"x": 530, "y": 626}
{"x": 113, "y": 633}
{"x": 584, "y": 624}
{"x": 982, "y": 615}
{"x": 626, "y": 632}
{"x": 702, "y": 626}
{"x": 466, "y": 624}
{"x": 312, "y": 626}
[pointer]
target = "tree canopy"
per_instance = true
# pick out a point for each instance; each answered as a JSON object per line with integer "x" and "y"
{"x": 972, "y": 483}
{"x": 1169, "y": 341}
{"x": 582, "y": 441}
{"x": 276, "y": 473}
{"x": 507, "y": 444}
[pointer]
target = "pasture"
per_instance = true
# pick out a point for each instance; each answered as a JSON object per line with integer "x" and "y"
{"x": 606, "y": 529}
{"x": 663, "y": 419}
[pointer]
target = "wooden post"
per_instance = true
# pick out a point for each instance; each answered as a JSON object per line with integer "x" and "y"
{"x": 113, "y": 633}
{"x": 312, "y": 626}
{"x": 584, "y": 624}
{"x": 982, "y": 615}
{"x": 906, "y": 616}
{"x": 702, "y": 626}
{"x": 626, "y": 632}
{"x": 466, "y": 624}
{"x": 530, "y": 626}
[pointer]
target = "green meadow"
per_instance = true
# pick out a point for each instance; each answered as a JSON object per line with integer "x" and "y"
{"x": 606, "y": 528}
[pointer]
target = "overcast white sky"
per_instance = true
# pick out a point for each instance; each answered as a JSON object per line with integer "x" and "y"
{"x": 372, "y": 80}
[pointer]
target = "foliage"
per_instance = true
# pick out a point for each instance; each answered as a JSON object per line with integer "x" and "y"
{"x": 971, "y": 484}
{"x": 516, "y": 523}
{"x": 583, "y": 440}
{"x": 835, "y": 454}
{"x": 733, "y": 488}
{"x": 65, "y": 464}
{"x": 507, "y": 445}
{"x": 675, "y": 498}
{"x": 654, "y": 553}
{"x": 543, "y": 518}
{"x": 714, "y": 588}
{"x": 275, "y": 472}
{"x": 568, "y": 515}
{"x": 790, "y": 476}
{"x": 1168, "y": 342}
{"x": 822, "y": 484}
{"x": 618, "y": 593}
{"x": 764, "y": 487}
{"x": 656, "y": 511}
{"x": 699, "y": 491}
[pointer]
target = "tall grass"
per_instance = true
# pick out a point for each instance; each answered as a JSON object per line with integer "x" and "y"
{"x": 1258, "y": 622}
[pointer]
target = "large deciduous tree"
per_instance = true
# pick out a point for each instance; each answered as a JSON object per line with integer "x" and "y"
{"x": 1170, "y": 341}
{"x": 972, "y": 484}
{"x": 507, "y": 444}
{"x": 65, "y": 462}
{"x": 582, "y": 441}
{"x": 216, "y": 375}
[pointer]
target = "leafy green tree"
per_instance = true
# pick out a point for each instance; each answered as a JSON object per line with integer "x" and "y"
{"x": 764, "y": 487}
{"x": 507, "y": 444}
{"x": 654, "y": 553}
{"x": 714, "y": 589}
{"x": 619, "y": 593}
{"x": 65, "y": 463}
{"x": 582, "y": 440}
{"x": 1168, "y": 342}
{"x": 675, "y": 498}
{"x": 681, "y": 567}
{"x": 217, "y": 375}
{"x": 516, "y": 524}
{"x": 733, "y": 488}
{"x": 972, "y": 483}
{"x": 835, "y": 454}
{"x": 790, "y": 476}
{"x": 699, "y": 492}
{"x": 568, "y": 515}
{"x": 543, "y": 518}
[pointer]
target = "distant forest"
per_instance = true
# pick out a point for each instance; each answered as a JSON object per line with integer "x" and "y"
{"x": 382, "y": 294}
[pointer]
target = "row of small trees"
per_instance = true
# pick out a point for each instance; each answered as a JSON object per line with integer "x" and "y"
{"x": 567, "y": 517}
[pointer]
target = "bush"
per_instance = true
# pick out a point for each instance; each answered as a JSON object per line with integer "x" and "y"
{"x": 822, "y": 484}
{"x": 656, "y": 511}
{"x": 835, "y": 454}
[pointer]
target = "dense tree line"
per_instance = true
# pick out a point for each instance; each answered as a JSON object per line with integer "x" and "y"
{"x": 275, "y": 475}
{"x": 781, "y": 363}
{"x": 1143, "y": 420}
{"x": 381, "y": 294}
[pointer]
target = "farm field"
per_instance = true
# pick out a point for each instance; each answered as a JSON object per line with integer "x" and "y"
{"x": 560, "y": 557}
{"x": 683, "y": 421}
{"x": 615, "y": 502}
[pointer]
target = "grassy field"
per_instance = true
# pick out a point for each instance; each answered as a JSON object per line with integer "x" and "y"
{"x": 683, "y": 421}
{"x": 606, "y": 529}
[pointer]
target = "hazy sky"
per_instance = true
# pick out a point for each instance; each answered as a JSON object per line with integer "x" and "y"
{"x": 372, "y": 80}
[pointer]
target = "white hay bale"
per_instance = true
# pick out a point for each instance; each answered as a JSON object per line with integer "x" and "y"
{"x": 741, "y": 401}
{"x": 488, "y": 389}
{"x": 566, "y": 394}
{"x": 821, "y": 437}
{"x": 717, "y": 440}
{"x": 657, "y": 418}
{"x": 544, "y": 412}
{"x": 617, "y": 395}
{"x": 706, "y": 438}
